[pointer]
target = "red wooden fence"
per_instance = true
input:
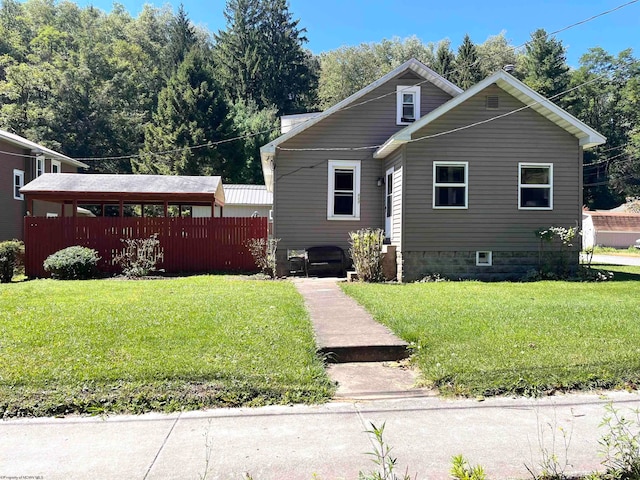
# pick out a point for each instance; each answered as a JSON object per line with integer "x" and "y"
{"x": 189, "y": 244}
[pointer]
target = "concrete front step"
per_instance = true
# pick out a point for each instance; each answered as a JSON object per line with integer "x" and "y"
{"x": 364, "y": 353}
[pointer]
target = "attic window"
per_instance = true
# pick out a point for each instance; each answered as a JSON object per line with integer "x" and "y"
{"x": 493, "y": 102}
{"x": 407, "y": 104}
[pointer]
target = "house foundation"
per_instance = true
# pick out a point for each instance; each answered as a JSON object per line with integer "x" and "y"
{"x": 509, "y": 265}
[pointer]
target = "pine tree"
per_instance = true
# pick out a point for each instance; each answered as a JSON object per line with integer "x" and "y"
{"x": 182, "y": 38}
{"x": 467, "y": 72}
{"x": 260, "y": 58}
{"x": 444, "y": 62}
{"x": 191, "y": 113}
{"x": 544, "y": 66}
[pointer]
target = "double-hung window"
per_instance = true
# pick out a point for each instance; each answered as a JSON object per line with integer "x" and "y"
{"x": 344, "y": 190}
{"x": 535, "y": 186}
{"x": 450, "y": 184}
{"x": 39, "y": 165}
{"x": 407, "y": 104}
{"x": 18, "y": 183}
{"x": 56, "y": 166}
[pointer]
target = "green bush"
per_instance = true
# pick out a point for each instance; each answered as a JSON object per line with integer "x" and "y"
{"x": 73, "y": 263}
{"x": 11, "y": 256}
{"x": 366, "y": 252}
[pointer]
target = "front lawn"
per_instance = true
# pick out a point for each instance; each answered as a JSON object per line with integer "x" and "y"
{"x": 132, "y": 346}
{"x": 476, "y": 338}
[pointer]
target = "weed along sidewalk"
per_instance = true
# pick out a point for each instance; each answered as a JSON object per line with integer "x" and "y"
{"x": 506, "y": 436}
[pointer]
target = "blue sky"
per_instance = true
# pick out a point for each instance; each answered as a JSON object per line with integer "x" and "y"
{"x": 334, "y": 23}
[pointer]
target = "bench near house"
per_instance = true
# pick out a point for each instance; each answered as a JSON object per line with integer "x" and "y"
{"x": 459, "y": 181}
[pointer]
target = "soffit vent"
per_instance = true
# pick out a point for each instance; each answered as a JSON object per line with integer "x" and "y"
{"x": 493, "y": 102}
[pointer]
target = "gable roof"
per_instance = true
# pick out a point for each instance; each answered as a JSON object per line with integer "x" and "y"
{"x": 82, "y": 185}
{"x": 615, "y": 222}
{"x": 35, "y": 147}
{"x": 247, "y": 195}
{"x": 268, "y": 151}
{"x": 587, "y": 136}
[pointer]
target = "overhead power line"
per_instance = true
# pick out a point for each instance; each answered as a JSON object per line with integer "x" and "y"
{"x": 346, "y": 107}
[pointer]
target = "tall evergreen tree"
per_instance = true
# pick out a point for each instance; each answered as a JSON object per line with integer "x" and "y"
{"x": 191, "y": 113}
{"x": 544, "y": 66}
{"x": 467, "y": 71}
{"x": 260, "y": 56}
{"x": 182, "y": 38}
{"x": 444, "y": 61}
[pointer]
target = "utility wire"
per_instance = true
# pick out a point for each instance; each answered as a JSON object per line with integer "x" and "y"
{"x": 346, "y": 107}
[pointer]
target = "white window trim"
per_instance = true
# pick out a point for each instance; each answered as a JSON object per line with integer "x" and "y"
{"x": 521, "y": 185}
{"x": 489, "y": 263}
{"x": 400, "y": 89}
{"x": 40, "y": 164}
{"x": 56, "y": 163}
{"x": 465, "y": 185}
{"x": 343, "y": 164}
{"x": 20, "y": 174}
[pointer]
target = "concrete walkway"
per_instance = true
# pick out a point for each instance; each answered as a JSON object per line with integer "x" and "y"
{"x": 297, "y": 442}
{"x": 345, "y": 331}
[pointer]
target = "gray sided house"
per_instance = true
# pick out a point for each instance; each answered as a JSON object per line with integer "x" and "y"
{"x": 21, "y": 161}
{"x": 459, "y": 181}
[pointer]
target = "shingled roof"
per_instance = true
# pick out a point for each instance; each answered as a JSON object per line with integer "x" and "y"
{"x": 138, "y": 187}
{"x": 615, "y": 221}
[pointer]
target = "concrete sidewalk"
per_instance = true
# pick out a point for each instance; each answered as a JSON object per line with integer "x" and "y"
{"x": 344, "y": 330}
{"x": 297, "y": 442}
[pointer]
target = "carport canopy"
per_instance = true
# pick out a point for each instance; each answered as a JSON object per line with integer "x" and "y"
{"x": 81, "y": 189}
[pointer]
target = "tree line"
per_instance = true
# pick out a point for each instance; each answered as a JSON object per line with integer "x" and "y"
{"x": 156, "y": 94}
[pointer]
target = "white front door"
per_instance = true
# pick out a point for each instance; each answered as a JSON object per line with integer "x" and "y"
{"x": 388, "y": 202}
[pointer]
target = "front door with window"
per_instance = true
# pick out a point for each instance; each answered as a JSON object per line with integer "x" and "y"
{"x": 388, "y": 202}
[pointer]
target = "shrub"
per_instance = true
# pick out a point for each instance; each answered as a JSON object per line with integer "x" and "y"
{"x": 366, "y": 253}
{"x": 263, "y": 252}
{"x": 140, "y": 256}
{"x": 11, "y": 256}
{"x": 73, "y": 263}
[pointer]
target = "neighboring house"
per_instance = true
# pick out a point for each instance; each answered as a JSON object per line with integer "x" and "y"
{"x": 459, "y": 181}
{"x": 21, "y": 161}
{"x": 247, "y": 201}
{"x": 610, "y": 229}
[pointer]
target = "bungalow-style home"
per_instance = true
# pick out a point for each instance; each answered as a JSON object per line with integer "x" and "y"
{"x": 247, "y": 201}
{"x": 21, "y": 161}
{"x": 610, "y": 229}
{"x": 458, "y": 180}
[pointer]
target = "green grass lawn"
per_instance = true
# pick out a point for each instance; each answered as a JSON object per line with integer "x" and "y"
{"x": 631, "y": 251}
{"x": 132, "y": 346}
{"x": 476, "y": 338}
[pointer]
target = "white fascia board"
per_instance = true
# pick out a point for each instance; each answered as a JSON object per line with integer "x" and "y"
{"x": 267, "y": 158}
{"x": 413, "y": 64}
{"x": 587, "y": 136}
{"x": 34, "y": 147}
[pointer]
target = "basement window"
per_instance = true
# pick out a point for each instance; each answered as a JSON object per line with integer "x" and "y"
{"x": 484, "y": 258}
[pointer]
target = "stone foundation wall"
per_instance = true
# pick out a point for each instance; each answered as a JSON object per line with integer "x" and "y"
{"x": 462, "y": 265}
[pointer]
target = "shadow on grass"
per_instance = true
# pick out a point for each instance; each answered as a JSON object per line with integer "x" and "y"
{"x": 620, "y": 273}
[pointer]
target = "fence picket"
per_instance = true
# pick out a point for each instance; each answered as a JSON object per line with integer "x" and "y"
{"x": 189, "y": 244}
